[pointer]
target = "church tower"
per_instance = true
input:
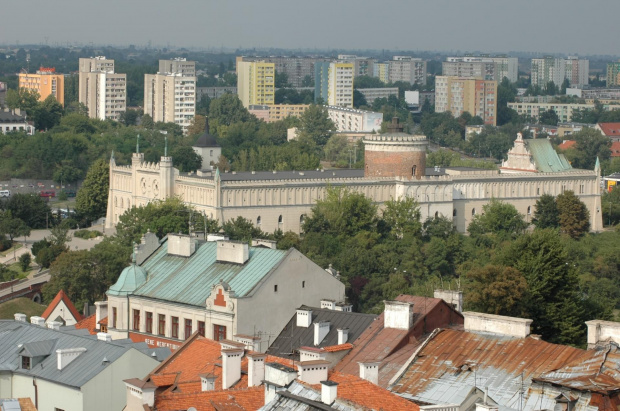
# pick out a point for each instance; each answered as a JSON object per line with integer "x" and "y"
{"x": 395, "y": 154}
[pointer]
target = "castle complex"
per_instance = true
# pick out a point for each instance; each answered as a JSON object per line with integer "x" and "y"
{"x": 395, "y": 167}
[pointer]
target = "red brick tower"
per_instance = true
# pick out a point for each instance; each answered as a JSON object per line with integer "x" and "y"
{"x": 395, "y": 154}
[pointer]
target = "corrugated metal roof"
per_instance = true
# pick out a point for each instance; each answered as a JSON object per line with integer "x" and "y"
{"x": 547, "y": 160}
{"x": 189, "y": 280}
{"x": 292, "y": 337}
{"x": 455, "y": 359}
{"x": 38, "y": 339}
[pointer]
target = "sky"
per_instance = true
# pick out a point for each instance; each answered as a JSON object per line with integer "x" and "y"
{"x": 585, "y": 27}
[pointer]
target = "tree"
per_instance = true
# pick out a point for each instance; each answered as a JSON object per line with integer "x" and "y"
{"x": 590, "y": 145}
{"x": 546, "y": 213}
{"x": 496, "y": 290}
{"x": 359, "y": 99}
{"x": 186, "y": 159}
{"x": 92, "y": 198}
{"x": 574, "y": 217}
{"x": 552, "y": 300}
{"x": 31, "y": 209}
{"x": 308, "y": 81}
{"x": 24, "y": 99}
{"x": 402, "y": 216}
{"x": 226, "y": 110}
{"x": 549, "y": 117}
{"x": 65, "y": 173}
{"x": 498, "y": 218}
{"x": 341, "y": 212}
{"x": 48, "y": 113}
{"x": 12, "y": 226}
{"x": 24, "y": 261}
{"x": 242, "y": 229}
{"x": 197, "y": 125}
{"x": 129, "y": 117}
{"x": 316, "y": 125}
{"x": 160, "y": 217}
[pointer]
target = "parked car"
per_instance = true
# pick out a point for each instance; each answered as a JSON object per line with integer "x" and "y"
{"x": 49, "y": 193}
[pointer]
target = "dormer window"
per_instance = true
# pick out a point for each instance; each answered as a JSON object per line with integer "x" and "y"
{"x": 26, "y": 361}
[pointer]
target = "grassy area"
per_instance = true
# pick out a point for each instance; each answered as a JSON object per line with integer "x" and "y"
{"x": 16, "y": 268}
{"x": 17, "y": 246}
{"x": 20, "y": 305}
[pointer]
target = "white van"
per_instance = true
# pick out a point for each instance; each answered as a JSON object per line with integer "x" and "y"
{"x": 5, "y": 193}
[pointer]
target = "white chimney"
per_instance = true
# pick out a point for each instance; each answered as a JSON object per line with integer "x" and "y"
{"x": 264, "y": 243}
{"x": 277, "y": 376}
{"x": 54, "y": 325}
{"x": 328, "y": 304}
{"x": 347, "y": 308}
{"x": 104, "y": 337}
{"x": 256, "y": 369}
{"x": 181, "y": 245}
{"x": 304, "y": 318}
{"x": 497, "y": 324}
{"x": 602, "y": 331}
{"x": 329, "y": 392}
{"x": 236, "y": 252}
{"x": 231, "y": 367}
{"x": 139, "y": 394}
{"x": 369, "y": 371}
{"x": 211, "y": 238}
{"x": 101, "y": 312}
{"x": 207, "y": 382}
{"x": 313, "y": 372}
{"x": 20, "y": 317}
{"x": 398, "y": 315}
{"x": 65, "y": 356}
{"x": 453, "y": 298}
{"x": 321, "y": 329}
{"x": 311, "y": 354}
{"x": 343, "y": 335}
{"x": 40, "y": 321}
{"x": 250, "y": 343}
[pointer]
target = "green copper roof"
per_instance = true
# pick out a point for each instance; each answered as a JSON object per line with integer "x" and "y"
{"x": 547, "y": 160}
{"x": 190, "y": 280}
{"x": 131, "y": 278}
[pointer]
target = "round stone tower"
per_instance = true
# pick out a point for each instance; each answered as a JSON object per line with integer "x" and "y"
{"x": 395, "y": 154}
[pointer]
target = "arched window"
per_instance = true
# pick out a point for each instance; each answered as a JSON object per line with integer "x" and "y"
{"x": 529, "y": 210}
{"x": 473, "y": 211}
{"x": 258, "y": 220}
{"x": 280, "y": 219}
{"x": 436, "y": 214}
{"x": 413, "y": 170}
{"x": 454, "y": 213}
{"x": 302, "y": 218}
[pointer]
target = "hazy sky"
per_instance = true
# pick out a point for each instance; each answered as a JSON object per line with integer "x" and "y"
{"x": 563, "y": 26}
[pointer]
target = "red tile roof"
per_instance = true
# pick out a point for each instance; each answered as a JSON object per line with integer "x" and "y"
{"x": 393, "y": 347}
{"x": 341, "y": 347}
{"x": 180, "y": 387}
{"x": 610, "y": 129}
{"x": 615, "y": 149}
{"x": 566, "y": 144}
{"x": 61, "y": 296}
{"x": 87, "y": 323}
{"x": 103, "y": 321}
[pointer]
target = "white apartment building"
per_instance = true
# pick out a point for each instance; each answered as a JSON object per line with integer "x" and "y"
{"x": 101, "y": 90}
{"x": 170, "y": 98}
{"x": 407, "y": 69}
{"x": 554, "y": 69}
{"x": 564, "y": 111}
{"x": 178, "y": 65}
{"x": 340, "y": 84}
{"x": 487, "y": 68}
{"x": 349, "y": 119}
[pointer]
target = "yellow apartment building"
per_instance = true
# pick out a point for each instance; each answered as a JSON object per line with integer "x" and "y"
{"x": 45, "y": 82}
{"x": 256, "y": 82}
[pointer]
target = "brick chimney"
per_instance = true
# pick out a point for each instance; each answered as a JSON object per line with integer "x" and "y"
{"x": 256, "y": 369}
{"x": 329, "y": 392}
{"x": 398, "y": 315}
{"x": 231, "y": 366}
{"x": 321, "y": 329}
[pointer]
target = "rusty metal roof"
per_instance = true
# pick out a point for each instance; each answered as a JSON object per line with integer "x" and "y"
{"x": 453, "y": 361}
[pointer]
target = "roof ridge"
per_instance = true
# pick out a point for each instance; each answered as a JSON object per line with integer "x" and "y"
{"x": 62, "y": 296}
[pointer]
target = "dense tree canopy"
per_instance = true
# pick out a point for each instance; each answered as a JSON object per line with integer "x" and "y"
{"x": 92, "y": 199}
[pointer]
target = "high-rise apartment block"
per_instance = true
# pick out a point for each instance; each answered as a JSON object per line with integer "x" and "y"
{"x": 299, "y": 70}
{"x": 554, "y": 69}
{"x": 46, "y": 82}
{"x": 382, "y": 71}
{"x": 407, "y": 69}
{"x": 170, "y": 98}
{"x": 178, "y": 65}
{"x": 333, "y": 83}
{"x": 613, "y": 74}
{"x": 256, "y": 82}
{"x": 362, "y": 66}
{"x": 487, "y": 68}
{"x": 460, "y": 94}
{"x": 101, "y": 90}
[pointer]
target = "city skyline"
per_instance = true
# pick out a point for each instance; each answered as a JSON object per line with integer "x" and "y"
{"x": 498, "y": 26}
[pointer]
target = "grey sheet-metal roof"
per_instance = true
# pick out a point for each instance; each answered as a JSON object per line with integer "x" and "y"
{"x": 190, "y": 280}
{"x": 292, "y": 337}
{"x": 16, "y": 337}
{"x": 298, "y": 397}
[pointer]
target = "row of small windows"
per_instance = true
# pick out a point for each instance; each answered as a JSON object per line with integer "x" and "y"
{"x": 302, "y": 218}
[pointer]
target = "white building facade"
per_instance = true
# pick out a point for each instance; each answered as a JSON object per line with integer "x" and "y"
{"x": 101, "y": 90}
{"x": 170, "y": 98}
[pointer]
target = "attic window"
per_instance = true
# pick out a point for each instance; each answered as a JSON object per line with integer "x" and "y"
{"x": 275, "y": 288}
{"x": 25, "y": 362}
